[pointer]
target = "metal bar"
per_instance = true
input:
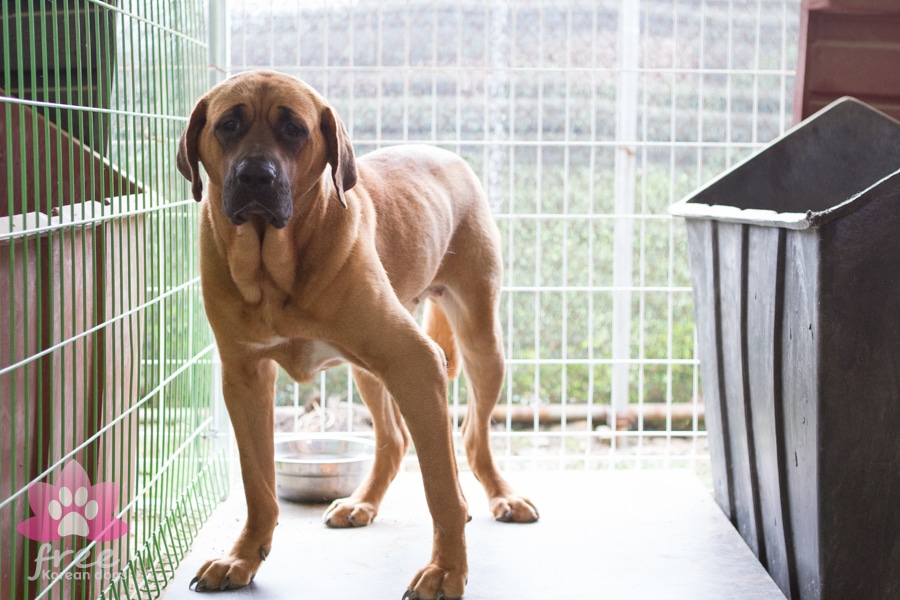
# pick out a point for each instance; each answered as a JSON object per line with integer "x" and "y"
{"x": 533, "y": 69}
{"x": 626, "y": 131}
{"x": 89, "y": 109}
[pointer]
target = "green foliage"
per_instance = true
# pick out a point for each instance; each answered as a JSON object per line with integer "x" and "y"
{"x": 557, "y": 309}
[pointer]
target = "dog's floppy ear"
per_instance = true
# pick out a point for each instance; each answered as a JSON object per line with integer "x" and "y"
{"x": 188, "y": 152}
{"x": 340, "y": 153}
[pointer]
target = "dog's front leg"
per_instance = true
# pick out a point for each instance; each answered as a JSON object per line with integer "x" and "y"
{"x": 249, "y": 388}
{"x": 416, "y": 376}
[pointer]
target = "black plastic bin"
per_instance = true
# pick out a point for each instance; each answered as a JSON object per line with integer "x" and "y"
{"x": 795, "y": 265}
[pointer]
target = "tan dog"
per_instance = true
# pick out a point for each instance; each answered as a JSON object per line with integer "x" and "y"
{"x": 310, "y": 258}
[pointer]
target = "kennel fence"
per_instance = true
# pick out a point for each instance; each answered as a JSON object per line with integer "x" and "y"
{"x": 105, "y": 356}
{"x": 584, "y": 119}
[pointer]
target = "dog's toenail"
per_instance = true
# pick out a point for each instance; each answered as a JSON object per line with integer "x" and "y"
{"x": 224, "y": 584}
{"x": 263, "y": 553}
{"x": 193, "y": 581}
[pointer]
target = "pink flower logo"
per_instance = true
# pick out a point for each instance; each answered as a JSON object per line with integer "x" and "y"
{"x": 72, "y": 506}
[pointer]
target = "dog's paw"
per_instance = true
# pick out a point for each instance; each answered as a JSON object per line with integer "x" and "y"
{"x": 227, "y": 573}
{"x": 514, "y": 509}
{"x": 347, "y": 512}
{"x": 437, "y": 583}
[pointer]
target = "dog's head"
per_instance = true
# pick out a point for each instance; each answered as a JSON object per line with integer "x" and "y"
{"x": 264, "y": 139}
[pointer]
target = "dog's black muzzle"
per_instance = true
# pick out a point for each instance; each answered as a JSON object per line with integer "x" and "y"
{"x": 256, "y": 186}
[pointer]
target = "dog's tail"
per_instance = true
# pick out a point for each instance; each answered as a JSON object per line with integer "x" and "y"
{"x": 438, "y": 328}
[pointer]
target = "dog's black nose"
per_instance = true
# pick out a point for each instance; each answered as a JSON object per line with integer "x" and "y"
{"x": 256, "y": 173}
{"x": 256, "y": 185}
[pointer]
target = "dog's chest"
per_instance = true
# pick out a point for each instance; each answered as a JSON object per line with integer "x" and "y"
{"x": 301, "y": 358}
{"x": 322, "y": 356}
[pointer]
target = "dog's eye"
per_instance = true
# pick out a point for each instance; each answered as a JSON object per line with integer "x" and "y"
{"x": 294, "y": 131}
{"x": 229, "y": 126}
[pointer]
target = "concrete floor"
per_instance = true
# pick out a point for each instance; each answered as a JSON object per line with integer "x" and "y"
{"x": 608, "y": 534}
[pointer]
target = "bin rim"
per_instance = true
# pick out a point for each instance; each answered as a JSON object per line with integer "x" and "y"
{"x": 786, "y": 220}
{"x": 771, "y": 218}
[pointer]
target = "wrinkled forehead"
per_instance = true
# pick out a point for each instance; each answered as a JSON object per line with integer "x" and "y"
{"x": 264, "y": 93}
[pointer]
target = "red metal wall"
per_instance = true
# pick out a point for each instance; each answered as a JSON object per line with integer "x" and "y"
{"x": 848, "y": 48}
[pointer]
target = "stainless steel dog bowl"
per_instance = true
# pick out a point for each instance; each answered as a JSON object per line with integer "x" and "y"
{"x": 321, "y": 467}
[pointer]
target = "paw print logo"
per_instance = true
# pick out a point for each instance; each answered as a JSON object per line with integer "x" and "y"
{"x": 73, "y": 506}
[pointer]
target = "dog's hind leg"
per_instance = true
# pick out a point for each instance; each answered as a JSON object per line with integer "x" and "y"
{"x": 391, "y": 442}
{"x": 478, "y": 335}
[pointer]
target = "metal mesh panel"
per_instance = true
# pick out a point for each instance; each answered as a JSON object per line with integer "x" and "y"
{"x": 108, "y": 465}
{"x": 585, "y": 120}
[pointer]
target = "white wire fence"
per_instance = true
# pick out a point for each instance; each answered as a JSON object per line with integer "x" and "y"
{"x": 586, "y": 119}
